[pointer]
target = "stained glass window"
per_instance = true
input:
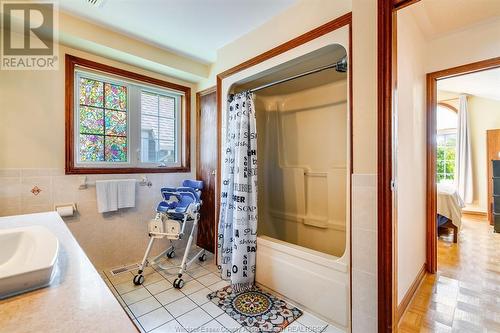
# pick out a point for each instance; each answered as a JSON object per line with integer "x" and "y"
{"x": 123, "y": 122}
{"x": 102, "y": 121}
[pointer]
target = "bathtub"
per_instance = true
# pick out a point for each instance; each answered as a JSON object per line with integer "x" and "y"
{"x": 312, "y": 280}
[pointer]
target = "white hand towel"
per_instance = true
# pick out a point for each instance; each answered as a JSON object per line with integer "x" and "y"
{"x": 107, "y": 195}
{"x": 126, "y": 193}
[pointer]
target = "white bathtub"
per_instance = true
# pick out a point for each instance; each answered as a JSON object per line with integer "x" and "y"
{"x": 314, "y": 281}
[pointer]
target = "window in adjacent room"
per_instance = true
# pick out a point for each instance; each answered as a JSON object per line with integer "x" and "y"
{"x": 124, "y": 124}
{"x": 446, "y": 144}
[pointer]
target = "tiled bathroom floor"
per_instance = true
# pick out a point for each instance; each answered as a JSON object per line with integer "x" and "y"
{"x": 159, "y": 308}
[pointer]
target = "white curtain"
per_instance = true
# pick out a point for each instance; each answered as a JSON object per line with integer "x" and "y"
{"x": 463, "y": 159}
{"x": 237, "y": 234}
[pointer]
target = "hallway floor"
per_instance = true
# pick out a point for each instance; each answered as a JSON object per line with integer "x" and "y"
{"x": 464, "y": 296}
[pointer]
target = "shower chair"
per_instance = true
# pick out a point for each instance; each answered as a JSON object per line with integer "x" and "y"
{"x": 179, "y": 205}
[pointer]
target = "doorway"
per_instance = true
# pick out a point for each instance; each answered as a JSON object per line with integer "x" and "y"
{"x": 206, "y": 164}
{"x": 440, "y": 168}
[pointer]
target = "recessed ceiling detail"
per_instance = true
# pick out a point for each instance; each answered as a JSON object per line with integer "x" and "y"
{"x": 193, "y": 28}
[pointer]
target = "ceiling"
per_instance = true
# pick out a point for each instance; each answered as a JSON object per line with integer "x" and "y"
{"x": 484, "y": 84}
{"x": 439, "y": 17}
{"x": 193, "y": 28}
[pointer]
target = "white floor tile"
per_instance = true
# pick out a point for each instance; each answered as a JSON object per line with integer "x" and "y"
{"x": 129, "y": 313}
{"x": 185, "y": 277}
{"x": 219, "y": 285}
{"x": 139, "y": 327}
{"x": 180, "y": 307}
{"x": 197, "y": 271}
{"x": 154, "y": 319}
{"x": 312, "y": 322}
{"x": 171, "y": 327}
{"x": 296, "y": 327}
{"x": 209, "y": 279}
{"x": 228, "y": 322}
{"x": 169, "y": 296}
{"x": 200, "y": 297}
{"x": 159, "y": 286}
{"x": 211, "y": 327}
{"x": 144, "y": 306}
{"x": 332, "y": 329}
{"x": 212, "y": 309}
{"x": 152, "y": 278}
{"x": 192, "y": 287}
{"x": 194, "y": 319}
{"x": 126, "y": 287}
{"x": 212, "y": 268}
{"x": 135, "y": 296}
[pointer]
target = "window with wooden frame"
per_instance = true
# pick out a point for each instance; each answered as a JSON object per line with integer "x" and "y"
{"x": 122, "y": 122}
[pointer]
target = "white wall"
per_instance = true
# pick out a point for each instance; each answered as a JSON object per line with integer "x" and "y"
{"x": 294, "y": 207}
{"x": 484, "y": 114}
{"x": 32, "y": 154}
{"x": 411, "y": 150}
{"x": 476, "y": 43}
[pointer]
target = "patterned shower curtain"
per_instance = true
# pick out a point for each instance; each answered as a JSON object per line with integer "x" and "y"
{"x": 237, "y": 233}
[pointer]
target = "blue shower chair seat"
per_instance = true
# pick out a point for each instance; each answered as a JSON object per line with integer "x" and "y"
{"x": 179, "y": 205}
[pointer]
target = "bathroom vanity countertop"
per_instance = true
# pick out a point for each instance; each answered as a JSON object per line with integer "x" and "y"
{"x": 77, "y": 300}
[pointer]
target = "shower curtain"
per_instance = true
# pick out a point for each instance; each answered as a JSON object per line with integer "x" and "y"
{"x": 237, "y": 233}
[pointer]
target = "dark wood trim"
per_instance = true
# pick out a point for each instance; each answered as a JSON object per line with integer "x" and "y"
{"x": 218, "y": 178}
{"x": 344, "y": 20}
{"x": 385, "y": 245}
{"x": 431, "y": 188}
{"x": 475, "y": 213}
{"x": 400, "y": 4}
{"x": 410, "y": 293}
{"x": 70, "y": 63}
{"x": 448, "y": 106}
{"x": 198, "y": 114}
{"x": 431, "y": 198}
{"x": 351, "y": 169}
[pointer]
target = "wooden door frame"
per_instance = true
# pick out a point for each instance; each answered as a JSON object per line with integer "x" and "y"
{"x": 342, "y": 21}
{"x": 386, "y": 236}
{"x": 431, "y": 190}
{"x": 199, "y": 94}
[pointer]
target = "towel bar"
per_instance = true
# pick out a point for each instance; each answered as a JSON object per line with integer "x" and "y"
{"x": 84, "y": 183}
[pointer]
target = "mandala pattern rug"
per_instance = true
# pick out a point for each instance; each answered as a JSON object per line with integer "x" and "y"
{"x": 256, "y": 309}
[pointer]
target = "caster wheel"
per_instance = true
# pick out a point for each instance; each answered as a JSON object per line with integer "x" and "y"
{"x": 171, "y": 254}
{"x": 178, "y": 283}
{"x": 138, "y": 279}
{"x": 203, "y": 257}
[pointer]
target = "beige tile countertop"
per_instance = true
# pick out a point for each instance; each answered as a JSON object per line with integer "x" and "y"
{"x": 77, "y": 300}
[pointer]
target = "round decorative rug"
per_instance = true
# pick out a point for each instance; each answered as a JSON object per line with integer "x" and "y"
{"x": 256, "y": 309}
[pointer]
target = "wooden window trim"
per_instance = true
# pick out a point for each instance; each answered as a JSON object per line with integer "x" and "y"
{"x": 70, "y": 63}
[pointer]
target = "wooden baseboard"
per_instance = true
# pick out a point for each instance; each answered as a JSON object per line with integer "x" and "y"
{"x": 474, "y": 212}
{"x": 411, "y": 292}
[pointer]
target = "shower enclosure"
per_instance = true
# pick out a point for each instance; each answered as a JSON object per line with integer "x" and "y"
{"x": 304, "y": 155}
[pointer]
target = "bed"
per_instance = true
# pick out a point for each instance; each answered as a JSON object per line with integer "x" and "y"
{"x": 449, "y": 209}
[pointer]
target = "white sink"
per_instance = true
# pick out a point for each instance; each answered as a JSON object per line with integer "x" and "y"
{"x": 27, "y": 259}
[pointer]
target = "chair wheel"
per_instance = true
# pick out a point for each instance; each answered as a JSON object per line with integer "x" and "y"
{"x": 178, "y": 283}
{"x": 138, "y": 279}
{"x": 203, "y": 257}
{"x": 171, "y": 254}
